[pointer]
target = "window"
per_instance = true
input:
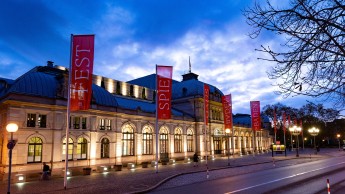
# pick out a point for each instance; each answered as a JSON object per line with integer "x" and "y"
{"x": 104, "y": 124}
{"x": 83, "y": 123}
{"x": 147, "y": 140}
{"x": 42, "y": 121}
{"x": 105, "y": 148}
{"x": 31, "y": 121}
{"x": 127, "y": 140}
{"x": 35, "y": 150}
{"x": 131, "y": 90}
{"x": 70, "y": 149}
{"x": 108, "y": 124}
{"x": 163, "y": 140}
{"x": 101, "y": 124}
{"x": 189, "y": 140}
{"x": 178, "y": 140}
{"x": 143, "y": 93}
{"x": 82, "y": 149}
{"x": 78, "y": 122}
{"x": 39, "y": 119}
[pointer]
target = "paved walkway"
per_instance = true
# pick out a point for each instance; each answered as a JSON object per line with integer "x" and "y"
{"x": 142, "y": 180}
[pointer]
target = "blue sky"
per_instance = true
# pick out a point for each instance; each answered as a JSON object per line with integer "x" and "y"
{"x": 132, "y": 36}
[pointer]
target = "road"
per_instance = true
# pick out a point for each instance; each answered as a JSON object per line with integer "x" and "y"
{"x": 307, "y": 178}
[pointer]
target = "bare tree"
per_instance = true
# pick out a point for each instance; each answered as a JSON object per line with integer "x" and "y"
{"x": 311, "y": 60}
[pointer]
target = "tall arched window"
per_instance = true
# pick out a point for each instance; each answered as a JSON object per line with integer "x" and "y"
{"x": 190, "y": 140}
{"x": 127, "y": 140}
{"x": 163, "y": 140}
{"x": 35, "y": 150}
{"x": 178, "y": 140}
{"x": 82, "y": 149}
{"x": 70, "y": 149}
{"x": 147, "y": 140}
{"x": 105, "y": 148}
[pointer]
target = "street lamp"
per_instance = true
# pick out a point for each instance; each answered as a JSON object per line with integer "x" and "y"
{"x": 314, "y": 132}
{"x": 296, "y": 131}
{"x": 338, "y": 136}
{"x": 227, "y": 131}
{"x": 11, "y": 128}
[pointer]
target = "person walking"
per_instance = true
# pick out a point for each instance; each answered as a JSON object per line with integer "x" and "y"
{"x": 45, "y": 173}
{"x": 195, "y": 159}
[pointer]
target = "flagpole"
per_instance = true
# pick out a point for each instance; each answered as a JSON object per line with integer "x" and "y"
{"x": 156, "y": 122}
{"x": 68, "y": 114}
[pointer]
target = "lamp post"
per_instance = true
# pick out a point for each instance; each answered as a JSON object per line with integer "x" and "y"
{"x": 227, "y": 131}
{"x": 296, "y": 131}
{"x": 338, "y": 136}
{"x": 11, "y": 128}
{"x": 314, "y": 132}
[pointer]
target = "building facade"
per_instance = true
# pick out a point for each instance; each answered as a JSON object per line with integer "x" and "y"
{"x": 119, "y": 127}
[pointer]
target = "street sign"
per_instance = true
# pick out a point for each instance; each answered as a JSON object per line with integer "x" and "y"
{"x": 11, "y": 144}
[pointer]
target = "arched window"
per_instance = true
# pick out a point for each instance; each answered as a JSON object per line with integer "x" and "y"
{"x": 190, "y": 140}
{"x": 147, "y": 140}
{"x": 82, "y": 149}
{"x": 163, "y": 140}
{"x": 35, "y": 150}
{"x": 127, "y": 140}
{"x": 105, "y": 148}
{"x": 178, "y": 140}
{"x": 70, "y": 149}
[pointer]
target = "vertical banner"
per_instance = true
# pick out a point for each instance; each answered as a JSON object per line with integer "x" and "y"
{"x": 255, "y": 112}
{"x": 164, "y": 84}
{"x": 227, "y": 111}
{"x": 289, "y": 121}
{"x": 81, "y": 71}
{"x": 284, "y": 122}
{"x": 275, "y": 120}
{"x": 206, "y": 102}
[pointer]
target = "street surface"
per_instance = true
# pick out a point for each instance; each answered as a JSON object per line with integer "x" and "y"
{"x": 246, "y": 174}
{"x": 310, "y": 177}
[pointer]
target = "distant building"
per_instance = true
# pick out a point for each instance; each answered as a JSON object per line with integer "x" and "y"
{"x": 119, "y": 127}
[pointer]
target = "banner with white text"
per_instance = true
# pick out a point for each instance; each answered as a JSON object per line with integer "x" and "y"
{"x": 206, "y": 102}
{"x": 164, "y": 85}
{"x": 227, "y": 111}
{"x": 81, "y": 71}
{"x": 255, "y": 114}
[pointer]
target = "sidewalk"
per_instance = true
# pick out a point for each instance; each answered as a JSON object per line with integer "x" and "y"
{"x": 142, "y": 180}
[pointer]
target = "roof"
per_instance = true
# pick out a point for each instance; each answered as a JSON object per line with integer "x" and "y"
{"x": 148, "y": 81}
{"x": 35, "y": 83}
{"x": 102, "y": 96}
{"x": 191, "y": 87}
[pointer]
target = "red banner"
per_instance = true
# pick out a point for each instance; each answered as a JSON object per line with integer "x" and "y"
{"x": 81, "y": 71}
{"x": 255, "y": 111}
{"x": 164, "y": 84}
{"x": 284, "y": 122}
{"x": 206, "y": 102}
{"x": 227, "y": 111}
{"x": 275, "y": 120}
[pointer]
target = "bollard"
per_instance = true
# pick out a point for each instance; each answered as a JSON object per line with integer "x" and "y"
{"x": 328, "y": 188}
{"x": 274, "y": 163}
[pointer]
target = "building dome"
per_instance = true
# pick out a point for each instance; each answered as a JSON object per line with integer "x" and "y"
{"x": 35, "y": 83}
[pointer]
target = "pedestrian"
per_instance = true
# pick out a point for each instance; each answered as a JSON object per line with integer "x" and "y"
{"x": 45, "y": 173}
{"x": 195, "y": 159}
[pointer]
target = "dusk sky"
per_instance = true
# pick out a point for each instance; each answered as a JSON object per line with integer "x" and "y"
{"x": 132, "y": 36}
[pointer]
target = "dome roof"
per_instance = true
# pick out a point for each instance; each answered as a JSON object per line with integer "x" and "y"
{"x": 102, "y": 96}
{"x": 191, "y": 87}
{"x": 35, "y": 83}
